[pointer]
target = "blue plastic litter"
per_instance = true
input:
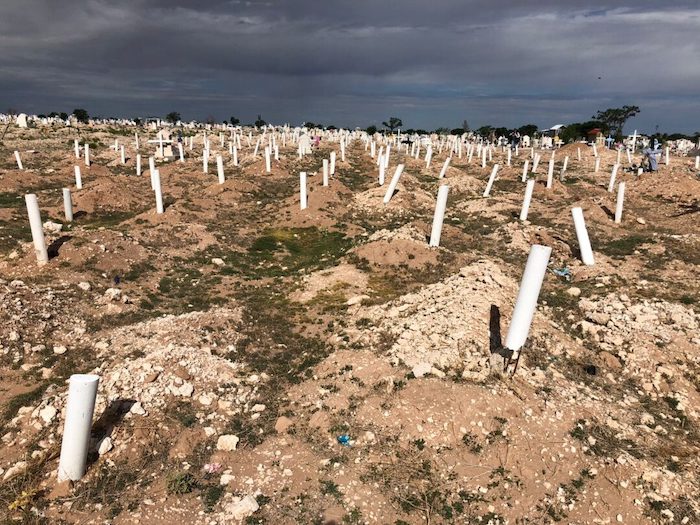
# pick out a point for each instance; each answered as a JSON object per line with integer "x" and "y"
{"x": 562, "y": 272}
{"x": 344, "y": 440}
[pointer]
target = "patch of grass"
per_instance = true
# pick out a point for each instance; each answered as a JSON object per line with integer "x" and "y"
{"x": 619, "y": 248}
{"x": 285, "y": 251}
{"x": 184, "y": 413}
{"x": 20, "y": 400}
{"x": 211, "y": 494}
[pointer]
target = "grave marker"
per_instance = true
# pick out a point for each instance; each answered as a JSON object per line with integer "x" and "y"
{"x": 42, "y": 256}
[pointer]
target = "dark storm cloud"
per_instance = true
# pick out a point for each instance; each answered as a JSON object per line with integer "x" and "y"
{"x": 355, "y": 62}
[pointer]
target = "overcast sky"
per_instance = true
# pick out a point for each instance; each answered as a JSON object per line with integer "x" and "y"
{"x": 356, "y": 62}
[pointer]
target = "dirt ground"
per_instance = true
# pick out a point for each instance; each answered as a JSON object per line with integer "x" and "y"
{"x": 360, "y": 370}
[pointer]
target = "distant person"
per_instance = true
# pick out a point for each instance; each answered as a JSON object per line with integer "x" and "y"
{"x": 650, "y": 158}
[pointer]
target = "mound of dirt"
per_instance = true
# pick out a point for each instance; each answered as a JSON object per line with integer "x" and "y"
{"x": 445, "y": 325}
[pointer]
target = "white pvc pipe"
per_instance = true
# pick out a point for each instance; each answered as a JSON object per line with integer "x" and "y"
{"x": 613, "y": 176}
{"x": 325, "y": 171}
{"x": 78, "y": 178}
{"x": 526, "y": 200}
{"x": 428, "y": 157}
{"x": 526, "y": 303}
{"x": 87, "y": 154}
{"x": 525, "y": 166}
{"x": 82, "y": 392}
{"x": 235, "y": 156}
{"x": 509, "y": 156}
{"x": 76, "y": 147}
{"x": 584, "y": 242}
{"x": 550, "y": 173}
{"x": 268, "y": 166}
{"x": 697, "y": 162}
{"x": 181, "y": 150}
{"x": 444, "y": 167}
{"x": 332, "y": 167}
{"x": 597, "y": 165}
{"x": 439, "y": 216}
{"x": 595, "y": 151}
{"x": 382, "y": 173}
{"x": 42, "y": 256}
{"x": 667, "y": 156}
{"x": 302, "y": 190}
{"x": 205, "y": 161}
{"x": 122, "y": 154}
{"x": 67, "y": 205}
{"x": 620, "y": 201}
{"x": 157, "y": 190}
{"x": 19, "y": 161}
{"x": 392, "y": 185}
{"x": 220, "y": 169}
{"x": 492, "y": 178}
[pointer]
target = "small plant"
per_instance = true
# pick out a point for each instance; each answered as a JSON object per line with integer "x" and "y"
{"x": 181, "y": 483}
{"x": 330, "y": 488}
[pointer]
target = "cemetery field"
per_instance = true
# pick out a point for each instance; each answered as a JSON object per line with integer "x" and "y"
{"x": 264, "y": 363}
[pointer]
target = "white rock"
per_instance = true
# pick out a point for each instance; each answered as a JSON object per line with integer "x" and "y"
{"x": 421, "y": 369}
{"x": 217, "y": 261}
{"x": 356, "y": 299}
{"x": 226, "y": 479}
{"x": 137, "y": 408}
{"x": 227, "y": 442}
{"x": 186, "y": 390}
{"x": 47, "y": 413}
{"x": 52, "y": 227}
{"x": 258, "y": 408}
{"x": 241, "y": 509}
{"x": 113, "y": 294}
{"x": 59, "y": 350}
{"x": 104, "y": 446}
{"x": 84, "y": 286}
{"x": 15, "y": 469}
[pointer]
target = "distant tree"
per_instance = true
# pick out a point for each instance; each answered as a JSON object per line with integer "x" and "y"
{"x": 331, "y": 127}
{"x": 485, "y": 131}
{"x": 528, "y": 129}
{"x": 11, "y": 111}
{"x": 501, "y": 132}
{"x": 615, "y": 118}
{"x": 64, "y": 115}
{"x": 371, "y": 130}
{"x": 457, "y": 131}
{"x": 465, "y": 126}
{"x": 137, "y": 121}
{"x": 210, "y": 120}
{"x": 442, "y": 131}
{"x": 580, "y": 130}
{"x": 41, "y": 115}
{"x": 310, "y": 125}
{"x": 172, "y": 117}
{"x": 394, "y": 123}
{"x": 259, "y": 123}
{"x": 234, "y": 121}
{"x": 81, "y": 115}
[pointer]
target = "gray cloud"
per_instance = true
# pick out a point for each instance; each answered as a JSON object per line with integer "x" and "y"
{"x": 353, "y": 63}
